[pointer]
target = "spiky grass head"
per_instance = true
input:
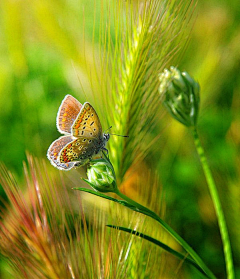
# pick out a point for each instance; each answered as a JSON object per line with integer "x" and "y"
{"x": 45, "y": 233}
{"x": 145, "y": 36}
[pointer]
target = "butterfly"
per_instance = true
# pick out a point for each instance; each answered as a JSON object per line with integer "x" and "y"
{"x": 82, "y": 139}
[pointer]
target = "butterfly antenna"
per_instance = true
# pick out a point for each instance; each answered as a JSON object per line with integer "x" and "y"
{"x": 108, "y": 128}
{"x": 119, "y": 135}
{"x": 116, "y": 134}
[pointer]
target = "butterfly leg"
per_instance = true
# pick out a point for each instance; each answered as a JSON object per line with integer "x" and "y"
{"x": 105, "y": 149}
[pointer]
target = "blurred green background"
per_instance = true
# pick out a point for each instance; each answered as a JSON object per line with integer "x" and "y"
{"x": 43, "y": 47}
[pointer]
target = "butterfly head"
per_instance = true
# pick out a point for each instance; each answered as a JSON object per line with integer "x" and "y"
{"x": 106, "y": 137}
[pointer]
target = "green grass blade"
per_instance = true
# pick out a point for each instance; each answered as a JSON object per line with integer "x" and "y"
{"x": 178, "y": 238}
{"x": 162, "y": 245}
{"x": 127, "y": 202}
{"x": 124, "y": 203}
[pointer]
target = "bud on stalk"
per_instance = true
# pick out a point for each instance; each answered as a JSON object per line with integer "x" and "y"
{"x": 101, "y": 176}
{"x": 181, "y": 95}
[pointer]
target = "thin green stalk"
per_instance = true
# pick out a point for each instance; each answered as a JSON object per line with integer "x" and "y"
{"x": 182, "y": 242}
{"x": 217, "y": 204}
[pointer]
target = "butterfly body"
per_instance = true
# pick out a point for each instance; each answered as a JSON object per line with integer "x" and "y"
{"x": 83, "y": 137}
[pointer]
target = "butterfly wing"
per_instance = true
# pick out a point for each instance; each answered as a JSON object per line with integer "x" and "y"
{"x": 79, "y": 150}
{"x": 87, "y": 123}
{"x": 53, "y": 152}
{"x": 67, "y": 114}
{"x": 86, "y": 139}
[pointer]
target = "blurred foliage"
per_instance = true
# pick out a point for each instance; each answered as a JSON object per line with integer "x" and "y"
{"x": 45, "y": 51}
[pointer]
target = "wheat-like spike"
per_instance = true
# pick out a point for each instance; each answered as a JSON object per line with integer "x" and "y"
{"x": 146, "y": 37}
{"x": 46, "y": 234}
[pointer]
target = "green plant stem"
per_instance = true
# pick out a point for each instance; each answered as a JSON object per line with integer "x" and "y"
{"x": 182, "y": 242}
{"x": 217, "y": 204}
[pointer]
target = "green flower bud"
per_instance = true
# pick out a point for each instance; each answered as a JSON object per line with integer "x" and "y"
{"x": 181, "y": 95}
{"x": 101, "y": 176}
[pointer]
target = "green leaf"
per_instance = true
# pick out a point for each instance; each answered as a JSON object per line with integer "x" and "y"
{"x": 141, "y": 209}
{"x": 144, "y": 210}
{"x": 124, "y": 203}
{"x": 162, "y": 245}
